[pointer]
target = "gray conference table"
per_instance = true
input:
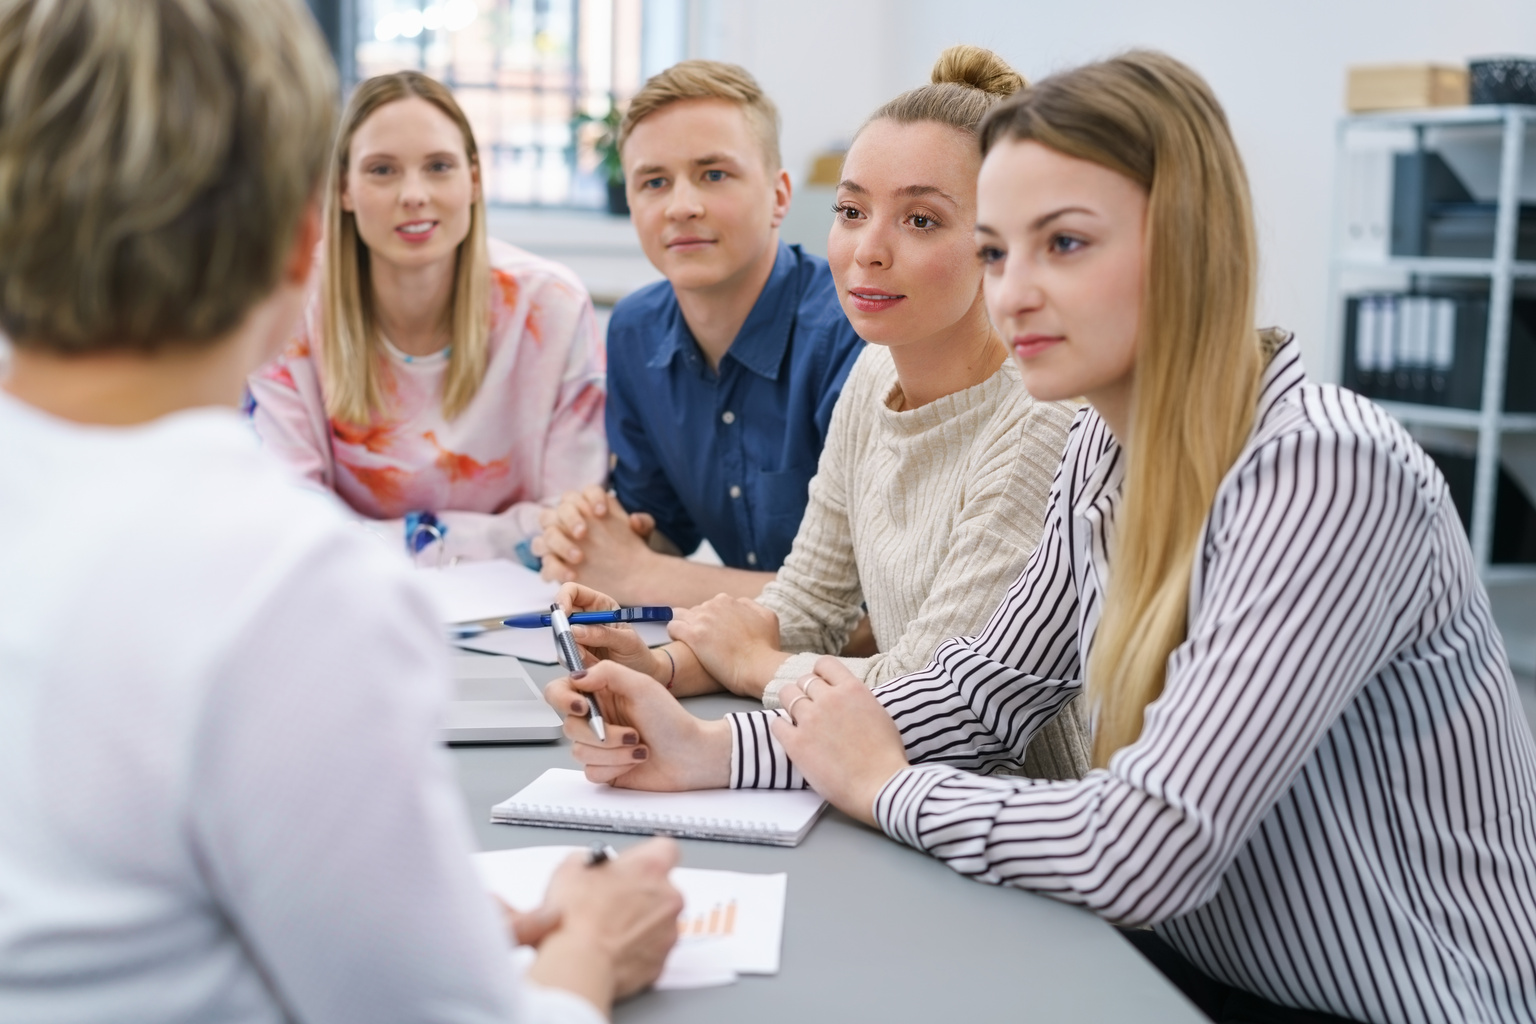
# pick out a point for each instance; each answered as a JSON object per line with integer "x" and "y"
{"x": 873, "y": 931}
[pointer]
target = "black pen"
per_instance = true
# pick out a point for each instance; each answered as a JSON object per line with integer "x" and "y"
{"x": 600, "y": 853}
{"x": 570, "y": 657}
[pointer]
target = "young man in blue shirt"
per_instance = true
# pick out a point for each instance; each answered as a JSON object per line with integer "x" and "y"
{"x": 721, "y": 379}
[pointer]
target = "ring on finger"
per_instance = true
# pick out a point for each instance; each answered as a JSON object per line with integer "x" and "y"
{"x": 789, "y": 709}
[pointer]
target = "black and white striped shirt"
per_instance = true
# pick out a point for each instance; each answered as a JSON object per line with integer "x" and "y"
{"x": 1333, "y": 802}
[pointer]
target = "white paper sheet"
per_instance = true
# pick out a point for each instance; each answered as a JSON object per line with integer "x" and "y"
{"x": 471, "y": 591}
{"x": 731, "y": 922}
{"x": 539, "y": 644}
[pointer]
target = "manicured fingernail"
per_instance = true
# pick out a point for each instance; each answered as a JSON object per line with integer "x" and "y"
{"x": 578, "y": 706}
{"x": 631, "y": 738}
{"x": 581, "y": 674}
{"x": 640, "y": 754}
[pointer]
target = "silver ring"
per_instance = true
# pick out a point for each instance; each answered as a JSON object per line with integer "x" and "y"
{"x": 789, "y": 709}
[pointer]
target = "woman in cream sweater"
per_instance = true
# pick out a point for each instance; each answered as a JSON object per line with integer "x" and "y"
{"x": 930, "y": 494}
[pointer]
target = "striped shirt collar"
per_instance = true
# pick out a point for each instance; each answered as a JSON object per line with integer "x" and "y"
{"x": 1282, "y": 376}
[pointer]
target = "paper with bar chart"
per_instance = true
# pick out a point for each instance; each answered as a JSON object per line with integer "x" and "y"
{"x": 731, "y": 922}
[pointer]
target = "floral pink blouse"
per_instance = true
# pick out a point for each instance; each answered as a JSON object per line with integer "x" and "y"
{"x": 533, "y": 431}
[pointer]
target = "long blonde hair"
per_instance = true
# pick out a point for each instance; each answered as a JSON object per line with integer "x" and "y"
{"x": 349, "y": 347}
{"x": 1198, "y": 357}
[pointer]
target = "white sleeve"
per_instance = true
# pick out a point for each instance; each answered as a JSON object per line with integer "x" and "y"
{"x": 324, "y": 815}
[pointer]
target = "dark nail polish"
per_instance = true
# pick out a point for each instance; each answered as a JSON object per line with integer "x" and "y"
{"x": 579, "y": 675}
{"x": 631, "y": 738}
{"x": 578, "y": 706}
{"x": 640, "y": 754}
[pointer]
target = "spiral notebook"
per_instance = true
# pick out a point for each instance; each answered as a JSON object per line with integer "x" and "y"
{"x": 562, "y": 798}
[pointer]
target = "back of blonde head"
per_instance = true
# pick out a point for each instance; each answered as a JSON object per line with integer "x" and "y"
{"x": 349, "y": 341}
{"x": 1154, "y": 120}
{"x": 156, "y": 158}
{"x": 966, "y": 82}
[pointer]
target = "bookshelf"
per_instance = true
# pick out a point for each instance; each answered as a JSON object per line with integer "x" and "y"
{"x": 1491, "y": 143}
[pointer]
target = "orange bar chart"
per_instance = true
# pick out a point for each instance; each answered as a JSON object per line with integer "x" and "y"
{"x": 718, "y": 922}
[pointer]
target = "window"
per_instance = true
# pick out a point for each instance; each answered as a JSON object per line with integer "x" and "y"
{"x": 522, "y": 70}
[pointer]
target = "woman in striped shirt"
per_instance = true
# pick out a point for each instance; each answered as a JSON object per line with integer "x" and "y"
{"x": 1312, "y": 778}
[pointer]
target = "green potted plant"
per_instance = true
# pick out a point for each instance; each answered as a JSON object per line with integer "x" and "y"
{"x": 606, "y": 146}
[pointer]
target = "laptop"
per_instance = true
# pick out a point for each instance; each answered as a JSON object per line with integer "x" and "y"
{"x": 495, "y": 701}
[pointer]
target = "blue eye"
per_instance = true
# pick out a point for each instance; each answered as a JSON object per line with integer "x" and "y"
{"x": 714, "y": 175}
{"x": 653, "y": 183}
{"x": 441, "y": 166}
{"x": 1065, "y": 244}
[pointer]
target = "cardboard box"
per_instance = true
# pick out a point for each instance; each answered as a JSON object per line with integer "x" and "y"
{"x": 826, "y": 169}
{"x": 1406, "y": 87}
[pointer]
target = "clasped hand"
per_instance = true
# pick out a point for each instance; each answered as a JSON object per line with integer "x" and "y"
{"x": 735, "y": 639}
{"x": 590, "y": 538}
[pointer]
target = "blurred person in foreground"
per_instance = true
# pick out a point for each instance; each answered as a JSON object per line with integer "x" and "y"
{"x": 228, "y": 802}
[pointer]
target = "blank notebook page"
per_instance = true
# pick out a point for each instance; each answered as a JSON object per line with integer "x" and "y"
{"x": 562, "y": 797}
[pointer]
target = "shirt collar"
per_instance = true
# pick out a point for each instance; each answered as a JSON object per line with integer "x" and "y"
{"x": 763, "y": 338}
{"x": 1283, "y": 374}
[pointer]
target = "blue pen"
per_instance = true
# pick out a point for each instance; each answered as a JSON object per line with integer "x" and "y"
{"x": 537, "y": 620}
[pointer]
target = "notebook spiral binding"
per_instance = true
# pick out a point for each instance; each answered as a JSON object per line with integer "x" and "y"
{"x": 679, "y": 826}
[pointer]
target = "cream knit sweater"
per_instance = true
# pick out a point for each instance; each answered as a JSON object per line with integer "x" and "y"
{"x": 927, "y": 516}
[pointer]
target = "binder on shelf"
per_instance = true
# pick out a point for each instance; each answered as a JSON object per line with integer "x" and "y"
{"x": 1424, "y": 349}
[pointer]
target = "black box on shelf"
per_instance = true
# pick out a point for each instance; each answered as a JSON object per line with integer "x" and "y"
{"x": 1465, "y": 230}
{"x": 1514, "y": 517}
{"x": 1433, "y": 213}
{"x": 1429, "y": 349}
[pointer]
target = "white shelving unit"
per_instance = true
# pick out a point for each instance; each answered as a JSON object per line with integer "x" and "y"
{"x": 1511, "y": 124}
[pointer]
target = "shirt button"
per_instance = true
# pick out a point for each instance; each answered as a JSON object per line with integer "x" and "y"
{"x": 735, "y": 491}
{"x": 751, "y": 557}
{"x": 728, "y": 416}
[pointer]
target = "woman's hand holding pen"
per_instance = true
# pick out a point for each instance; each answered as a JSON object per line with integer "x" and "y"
{"x": 619, "y": 644}
{"x": 652, "y": 742}
{"x": 840, "y": 737}
{"x": 676, "y": 667}
{"x": 617, "y": 922}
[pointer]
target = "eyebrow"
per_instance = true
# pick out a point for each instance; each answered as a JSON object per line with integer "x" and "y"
{"x": 703, "y": 161}
{"x": 1045, "y": 219}
{"x": 910, "y": 190}
{"x": 1039, "y": 222}
{"x": 439, "y": 155}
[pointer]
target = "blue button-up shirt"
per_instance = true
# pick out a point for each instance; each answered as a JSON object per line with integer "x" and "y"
{"x": 728, "y": 455}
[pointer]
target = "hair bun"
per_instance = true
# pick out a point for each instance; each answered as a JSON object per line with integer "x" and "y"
{"x": 978, "y": 68}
